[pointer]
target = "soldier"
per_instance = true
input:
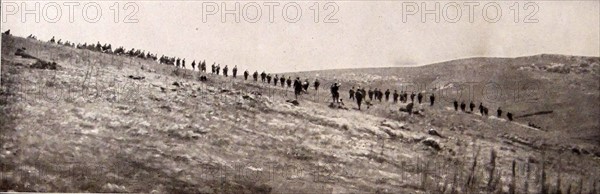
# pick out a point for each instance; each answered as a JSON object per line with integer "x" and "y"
{"x": 370, "y": 94}
{"x": 213, "y": 68}
{"x": 282, "y": 80}
{"x": 401, "y": 96}
{"x": 225, "y": 70}
{"x": 360, "y": 94}
{"x": 409, "y": 108}
{"x": 246, "y": 75}
{"x": 263, "y": 76}
{"x": 317, "y": 84}
{"x": 269, "y": 78}
{"x": 305, "y": 85}
{"x": 218, "y": 68}
{"x": 289, "y": 81}
{"x": 455, "y": 105}
{"x": 481, "y": 108}
{"x": 255, "y": 76}
{"x": 178, "y": 62}
{"x": 379, "y": 95}
{"x": 419, "y": 97}
{"x": 499, "y": 112}
{"x": 183, "y": 63}
{"x": 52, "y": 40}
{"x": 234, "y": 71}
{"x": 335, "y": 87}
{"x": 193, "y": 65}
{"x": 387, "y": 95}
{"x": 351, "y": 93}
{"x": 509, "y": 116}
{"x": 275, "y": 80}
{"x": 395, "y": 96}
{"x": 375, "y": 94}
{"x": 485, "y": 111}
{"x": 432, "y": 99}
{"x": 297, "y": 87}
{"x": 471, "y": 106}
{"x": 463, "y": 106}
{"x": 203, "y": 66}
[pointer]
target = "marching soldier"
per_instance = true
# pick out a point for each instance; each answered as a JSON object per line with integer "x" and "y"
{"x": 235, "y": 71}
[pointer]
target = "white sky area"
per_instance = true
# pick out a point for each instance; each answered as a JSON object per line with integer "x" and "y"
{"x": 367, "y": 34}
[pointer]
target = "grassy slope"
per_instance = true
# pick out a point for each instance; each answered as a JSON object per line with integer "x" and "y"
{"x": 115, "y": 134}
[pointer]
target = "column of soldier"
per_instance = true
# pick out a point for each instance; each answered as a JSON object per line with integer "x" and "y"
{"x": 359, "y": 95}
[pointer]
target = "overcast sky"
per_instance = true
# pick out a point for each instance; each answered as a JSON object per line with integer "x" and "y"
{"x": 367, "y": 33}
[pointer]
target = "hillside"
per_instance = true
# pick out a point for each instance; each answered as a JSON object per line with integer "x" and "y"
{"x": 106, "y": 123}
{"x": 566, "y": 85}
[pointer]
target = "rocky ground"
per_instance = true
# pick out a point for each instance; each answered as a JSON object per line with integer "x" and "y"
{"x": 104, "y": 123}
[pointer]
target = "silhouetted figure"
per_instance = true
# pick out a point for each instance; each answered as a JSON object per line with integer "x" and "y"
{"x": 178, "y": 62}
{"x": 305, "y": 85}
{"x": 360, "y": 94}
{"x": 432, "y": 99}
{"x": 335, "y": 94}
{"x": 387, "y": 95}
{"x": 52, "y": 40}
{"x": 246, "y": 74}
{"x": 225, "y": 71}
{"x": 203, "y": 78}
{"x": 405, "y": 96}
{"x": 255, "y": 76}
{"x": 317, "y": 84}
{"x": 455, "y": 105}
{"x": 269, "y": 78}
{"x": 234, "y": 71}
{"x": 402, "y": 96}
{"x": 509, "y": 116}
{"x": 409, "y": 108}
{"x": 275, "y": 80}
{"x": 282, "y": 80}
{"x": 193, "y": 65}
{"x": 412, "y": 97}
{"x": 471, "y": 106}
{"x": 289, "y": 82}
{"x": 499, "y": 112}
{"x": 183, "y": 63}
{"x": 297, "y": 87}
{"x": 378, "y": 94}
{"x": 213, "y": 68}
{"x": 203, "y": 66}
{"x": 370, "y": 94}
{"x": 419, "y": 97}
{"x": 351, "y": 93}
{"x": 263, "y": 76}
{"x": 481, "y": 108}
{"x": 395, "y": 96}
{"x": 485, "y": 111}
{"x": 463, "y": 106}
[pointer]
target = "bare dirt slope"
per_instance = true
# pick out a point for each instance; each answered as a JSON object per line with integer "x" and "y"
{"x": 104, "y": 123}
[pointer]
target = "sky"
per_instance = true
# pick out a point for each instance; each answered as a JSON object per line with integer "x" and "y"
{"x": 285, "y": 37}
